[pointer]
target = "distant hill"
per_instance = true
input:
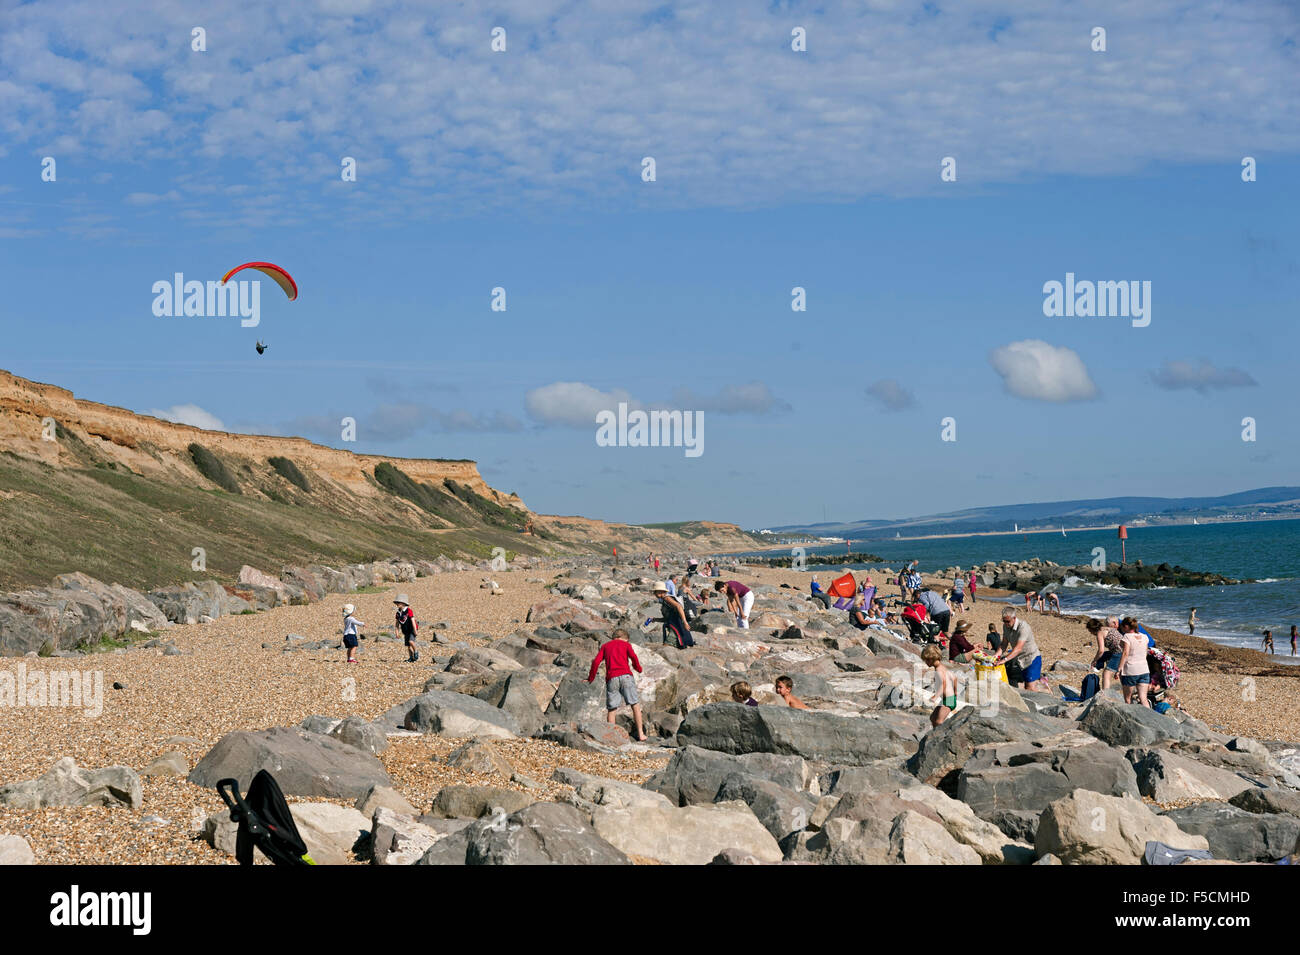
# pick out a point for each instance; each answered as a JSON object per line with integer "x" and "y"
{"x": 1097, "y": 511}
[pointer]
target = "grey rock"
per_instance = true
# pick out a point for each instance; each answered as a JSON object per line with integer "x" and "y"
{"x": 14, "y": 850}
{"x": 1031, "y": 776}
{"x": 1111, "y": 720}
{"x": 471, "y": 802}
{"x": 947, "y": 747}
{"x": 694, "y": 776}
{"x": 66, "y": 784}
{"x": 303, "y": 764}
{"x": 361, "y": 733}
{"x": 1239, "y": 835}
{"x": 545, "y": 833}
{"x": 735, "y": 728}
{"x": 1255, "y": 799}
{"x": 455, "y": 714}
{"x": 780, "y": 810}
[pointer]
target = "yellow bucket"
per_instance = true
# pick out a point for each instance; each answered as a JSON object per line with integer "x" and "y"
{"x": 985, "y": 673}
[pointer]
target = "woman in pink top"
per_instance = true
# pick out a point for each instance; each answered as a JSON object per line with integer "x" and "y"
{"x": 971, "y": 589}
{"x": 1134, "y": 674}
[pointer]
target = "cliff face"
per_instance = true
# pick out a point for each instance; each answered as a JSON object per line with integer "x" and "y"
{"x": 132, "y": 499}
{"x": 155, "y": 448}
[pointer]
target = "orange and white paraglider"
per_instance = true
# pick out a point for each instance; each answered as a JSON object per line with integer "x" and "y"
{"x": 272, "y": 271}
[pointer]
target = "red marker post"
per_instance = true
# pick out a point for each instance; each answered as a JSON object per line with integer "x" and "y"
{"x": 1123, "y": 536}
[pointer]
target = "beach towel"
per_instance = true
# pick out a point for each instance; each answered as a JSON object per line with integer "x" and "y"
{"x": 1157, "y": 853}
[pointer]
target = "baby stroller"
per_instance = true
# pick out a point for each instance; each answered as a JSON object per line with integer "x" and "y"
{"x": 264, "y": 821}
{"x": 919, "y": 629}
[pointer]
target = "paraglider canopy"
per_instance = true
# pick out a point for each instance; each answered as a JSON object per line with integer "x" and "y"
{"x": 272, "y": 271}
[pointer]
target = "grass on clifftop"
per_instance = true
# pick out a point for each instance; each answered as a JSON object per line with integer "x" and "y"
{"x": 141, "y": 532}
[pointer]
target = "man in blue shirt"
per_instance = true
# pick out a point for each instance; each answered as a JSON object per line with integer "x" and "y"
{"x": 936, "y": 607}
{"x": 820, "y": 595}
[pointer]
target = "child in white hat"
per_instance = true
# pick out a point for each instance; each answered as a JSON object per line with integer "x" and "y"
{"x": 350, "y": 625}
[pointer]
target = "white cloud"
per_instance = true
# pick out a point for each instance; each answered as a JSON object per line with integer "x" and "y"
{"x": 189, "y": 414}
{"x": 151, "y": 198}
{"x": 1042, "y": 372}
{"x": 1205, "y": 377}
{"x": 438, "y": 122}
{"x": 891, "y": 394}
{"x": 572, "y": 403}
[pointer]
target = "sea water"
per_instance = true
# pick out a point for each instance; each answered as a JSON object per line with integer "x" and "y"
{"x": 1266, "y": 551}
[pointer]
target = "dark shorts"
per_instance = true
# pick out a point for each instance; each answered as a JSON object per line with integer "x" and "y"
{"x": 943, "y": 619}
{"x": 350, "y": 640}
{"x": 959, "y": 599}
{"x": 1135, "y": 680}
{"x": 1111, "y": 661}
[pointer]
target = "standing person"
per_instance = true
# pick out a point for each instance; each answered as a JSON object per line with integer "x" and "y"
{"x": 785, "y": 690}
{"x": 616, "y": 558}
{"x": 1293, "y": 639}
{"x": 671, "y": 584}
{"x": 739, "y": 600}
{"x": 936, "y": 607}
{"x": 350, "y": 626}
{"x": 945, "y": 682}
{"x": 1191, "y": 623}
{"x": 620, "y": 684}
{"x": 959, "y": 592}
{"x": 656, "y": 559}
{"x": 971, "y": 589}
{"x": 1109, "y": 644}
{"x": 1268, "y": 641}
{"x": 407, "y": 626}
{"x": 1018, "y": 645}
{"x": 1134, "y": 672}
{"x": 676, "y": 630}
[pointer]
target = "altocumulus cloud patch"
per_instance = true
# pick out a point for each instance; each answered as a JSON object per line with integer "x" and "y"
{"x": 1203, "y": 377}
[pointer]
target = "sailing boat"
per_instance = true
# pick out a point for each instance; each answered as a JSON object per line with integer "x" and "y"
{"x": 1194, "y": 521}
{"x": 1017, "y": 529}
{"x": 1063, "y": 534}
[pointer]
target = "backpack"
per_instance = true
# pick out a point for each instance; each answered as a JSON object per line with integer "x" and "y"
{"x": 1168, "y": 670}
{"x": 1091, "y": 684}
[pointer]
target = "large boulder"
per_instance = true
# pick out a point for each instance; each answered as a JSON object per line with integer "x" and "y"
{"x": 851, "y": 740}
{"x": 332, "y": 833}
{"x": 686, "y": 835}
{"x": 947, "y": 747}
{"x": 303, "y": 763}
{"x": 1256, "y": 799}
{"x": 455, "y": 714}
{"x": 546, "y": 833}
{"x": 917, "y": 840}
{"x": 1089, "y": 828}
{"x": 857, "y": 831}
{"x": 397, "y": 838}
{"x": 591, "y": 791}
{"x": 563, "y": 613}
{"x": 1167, "y": 777}
{"x": 1239, "y": 835}
{"x": 66, "y": 784}
{"x": 527, "y": 694}
{"x": 364, "y": 735}
{"x": 471, "y": 802}
{"x": 780, "y": 810}
{"x": 575, "y": 700}
{"x": 694, "y": 776}
{"x": 1030, "y": 776}
{"x": 992, "y": 845}
{"x": 1111, "y": 720}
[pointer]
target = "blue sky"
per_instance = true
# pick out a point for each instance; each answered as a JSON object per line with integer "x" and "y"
{"x": 775, "y": 169}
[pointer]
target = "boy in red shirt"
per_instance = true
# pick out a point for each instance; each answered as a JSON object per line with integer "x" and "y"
{"x": 620, "y": 684}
